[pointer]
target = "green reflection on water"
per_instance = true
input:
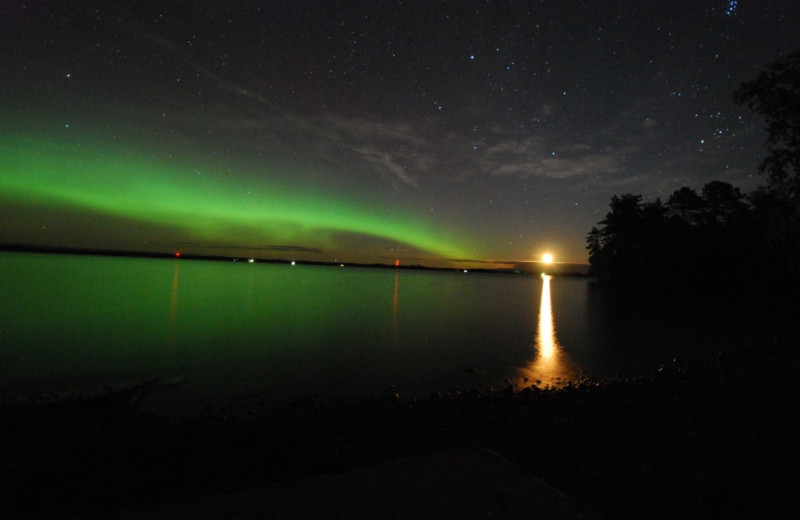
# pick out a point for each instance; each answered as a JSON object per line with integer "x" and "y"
{"x": 76, "y": 321}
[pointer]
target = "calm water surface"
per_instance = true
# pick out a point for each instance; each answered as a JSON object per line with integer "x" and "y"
{"x": 230, "y": 330}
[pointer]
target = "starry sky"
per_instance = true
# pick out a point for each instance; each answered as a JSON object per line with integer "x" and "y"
{"x": 446, "y": 133}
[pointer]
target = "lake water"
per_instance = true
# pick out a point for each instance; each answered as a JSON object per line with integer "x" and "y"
{"x": 225, "y": 332}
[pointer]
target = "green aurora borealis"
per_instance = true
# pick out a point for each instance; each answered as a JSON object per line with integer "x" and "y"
{"x": 447, "y": 134}
{"x": 209, "y": 207}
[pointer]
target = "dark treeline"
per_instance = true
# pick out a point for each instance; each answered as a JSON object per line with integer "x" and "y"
{"x": 708, "y": 240}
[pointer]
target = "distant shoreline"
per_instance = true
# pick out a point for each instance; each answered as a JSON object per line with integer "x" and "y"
{"x": 34, "y": 248}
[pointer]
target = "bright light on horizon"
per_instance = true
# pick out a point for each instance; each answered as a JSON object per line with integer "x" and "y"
{"x": 547, "y": 258}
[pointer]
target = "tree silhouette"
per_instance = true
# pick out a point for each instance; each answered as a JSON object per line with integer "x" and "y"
{"x": 685, "y": 204}
{"x": 690, "y": 237}
{"x": 712, "y": 238}
{"x": 775, "y": 94}
{"x": 615, "y": 244}
{"x": 722, "y": 204}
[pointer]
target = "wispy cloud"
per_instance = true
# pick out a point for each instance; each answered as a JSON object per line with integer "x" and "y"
{"x": 387, "y": 162}
{"x": 533, "y": 159}
{"x": 400, "y": 149}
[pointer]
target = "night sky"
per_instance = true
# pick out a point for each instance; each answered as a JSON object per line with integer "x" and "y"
{"x": 442, "y": 133}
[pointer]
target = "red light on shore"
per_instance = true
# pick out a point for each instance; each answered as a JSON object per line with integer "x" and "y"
{"x": 397, "y": 263}
{"x": 177, "y": 254}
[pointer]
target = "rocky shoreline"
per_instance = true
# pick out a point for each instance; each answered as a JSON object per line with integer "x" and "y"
{"x": 711, "y": 440}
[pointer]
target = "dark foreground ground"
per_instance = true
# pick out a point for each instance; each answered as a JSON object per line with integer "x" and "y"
{"x": 715, "y": 440}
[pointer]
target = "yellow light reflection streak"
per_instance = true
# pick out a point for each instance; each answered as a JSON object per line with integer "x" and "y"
{"x": 550, "y": 366}
{"x": 546, "y": 336}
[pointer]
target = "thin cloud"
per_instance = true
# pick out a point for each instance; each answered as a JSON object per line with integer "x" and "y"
{"x": 387, "y": 162}
{"x": 400, "y": 149}
{"x": 530, "y": 159}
